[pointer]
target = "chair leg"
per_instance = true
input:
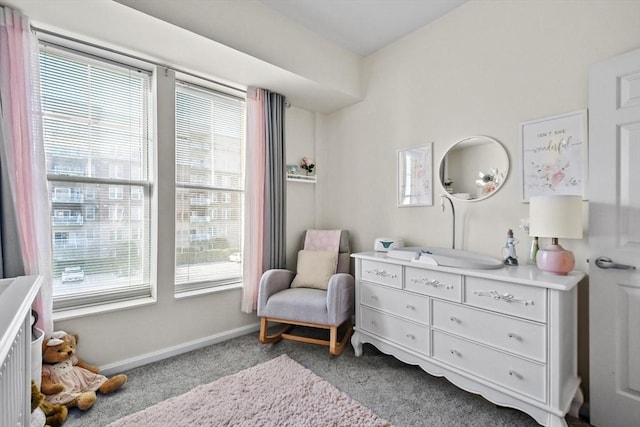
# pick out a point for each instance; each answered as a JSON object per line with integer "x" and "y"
{"x": 268, "y": 339}
{"x": 263, "y": 329}
{"x": 336, "y": 348}
{"x": 333, "y": 341}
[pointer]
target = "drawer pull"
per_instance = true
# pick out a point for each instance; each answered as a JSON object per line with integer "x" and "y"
{"x": 506, "y": 297}
{"x": 435, "y": 283}
{"x": 514, "y": 336}
{"x": 454, "y": 319}
{"x": 411, "y": 336}
{"x": 382, "y": 273}
{"x": 411, "y": 307}
{"x": 515, "y": 374}
{"x": 374, "y": 297}
{"x": 454, "y": 352}
{"x": 373, "y": 322}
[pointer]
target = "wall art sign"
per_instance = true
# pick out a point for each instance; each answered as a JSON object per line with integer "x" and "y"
{"x": 553, "y": 155}
{"x": 415, "y": 176}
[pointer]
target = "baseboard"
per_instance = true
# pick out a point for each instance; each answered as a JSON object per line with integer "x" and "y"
{"x": 135, "y": 362}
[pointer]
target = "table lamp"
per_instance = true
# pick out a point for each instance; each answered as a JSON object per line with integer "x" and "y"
{"x": 555, "y": 217}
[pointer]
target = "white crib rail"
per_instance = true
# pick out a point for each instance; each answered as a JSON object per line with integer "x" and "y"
{"x": 16, "y": 297}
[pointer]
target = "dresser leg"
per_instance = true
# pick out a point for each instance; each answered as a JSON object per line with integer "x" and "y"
{"x": 576, "y": 403}
{"x": 357, "y": 345}
{"x": 556, "y": 421}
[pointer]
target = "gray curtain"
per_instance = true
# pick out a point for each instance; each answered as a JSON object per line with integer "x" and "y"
{"x": 275, "y": 183}
{"x": 10, "y": 258}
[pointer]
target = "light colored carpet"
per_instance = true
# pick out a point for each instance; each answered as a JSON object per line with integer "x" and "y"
{"x": 280, "y": 392}
{"x": 403, "y": 394}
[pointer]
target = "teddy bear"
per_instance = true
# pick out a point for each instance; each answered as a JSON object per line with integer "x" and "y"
{"x": 47, "y": 414}
{"x": 68, "y": 380}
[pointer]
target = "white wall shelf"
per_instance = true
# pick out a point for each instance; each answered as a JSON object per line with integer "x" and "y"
{"x": 311, "y": 179}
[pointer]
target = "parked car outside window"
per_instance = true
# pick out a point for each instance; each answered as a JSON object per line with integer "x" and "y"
{"x": 72, "y": 274}
{"x": 235, "y": 257}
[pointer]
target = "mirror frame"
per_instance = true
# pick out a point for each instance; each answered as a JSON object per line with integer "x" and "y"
{"x": 442, "y": 160}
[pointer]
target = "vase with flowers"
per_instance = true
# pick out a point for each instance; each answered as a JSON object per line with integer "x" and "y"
{"x": 307, "y": 165}
{"x": 533, "y": 249}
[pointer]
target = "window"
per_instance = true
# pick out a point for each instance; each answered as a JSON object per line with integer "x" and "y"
{"x": 210, "y": 149}
{"x": 90, "y": 213}
{"x": 116, "y": 213}
{"x": 116, "y": 170}
{"x": 136, "y": 213}
{"x": 96, "y": 116}
{"x": 136, "y": 193}
{"x": 116, "y": 192}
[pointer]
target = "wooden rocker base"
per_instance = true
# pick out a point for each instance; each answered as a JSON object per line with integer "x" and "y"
{"x": 335, "y": 348}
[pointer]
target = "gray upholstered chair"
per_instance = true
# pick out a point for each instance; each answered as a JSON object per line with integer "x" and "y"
{"x": 293, "y": 299}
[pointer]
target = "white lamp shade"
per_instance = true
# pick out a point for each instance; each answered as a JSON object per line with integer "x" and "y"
{"x": 555, "y": 216}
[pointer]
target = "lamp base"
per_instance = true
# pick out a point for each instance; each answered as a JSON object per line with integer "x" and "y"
{"x": 555, "y": 259}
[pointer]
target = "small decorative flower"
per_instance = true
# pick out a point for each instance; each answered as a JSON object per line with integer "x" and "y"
{"x": 489, "y": 181}
{"x": 556, "y": 178}
{"x": 307, "y": 165}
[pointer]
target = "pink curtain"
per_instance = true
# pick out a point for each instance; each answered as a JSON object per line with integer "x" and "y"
{"x": 254, "y": 198}
{"x": 23, "y": 148}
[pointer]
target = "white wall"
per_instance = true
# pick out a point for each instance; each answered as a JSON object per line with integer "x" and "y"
{"x": 300, "y": 135}
{"x": 480, "y": 70}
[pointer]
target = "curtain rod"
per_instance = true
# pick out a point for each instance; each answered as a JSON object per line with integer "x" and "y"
{"x": 137, "y": 58}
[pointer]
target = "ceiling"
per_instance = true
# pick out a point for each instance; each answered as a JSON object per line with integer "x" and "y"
{"x": 363, "y": 26}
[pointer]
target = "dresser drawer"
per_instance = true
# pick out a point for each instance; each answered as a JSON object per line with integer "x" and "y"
{"x": 408, "y": 334}
{"x": 522, "y": 376}
{"x": 383, "y": 273}
{"x": 528, "y": 302}
{"x": 433, "y": 283}
{"x": 517, "y": 336}
{"x": 410, "y": 306}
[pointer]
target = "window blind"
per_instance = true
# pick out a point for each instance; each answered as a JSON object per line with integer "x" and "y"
{"x": 210, "y": 152}
{"x": 96, "y": 116}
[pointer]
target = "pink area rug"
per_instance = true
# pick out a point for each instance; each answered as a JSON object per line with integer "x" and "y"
{"x": 280, "y": 392}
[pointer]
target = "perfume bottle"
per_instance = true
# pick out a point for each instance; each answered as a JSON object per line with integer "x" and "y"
{"x": 533, "y": 251}
{"x": 510, "y": 249}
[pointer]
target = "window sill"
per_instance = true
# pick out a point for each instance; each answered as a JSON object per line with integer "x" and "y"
{"x": 75, "y": 313}
{"x": 205, "y": 291}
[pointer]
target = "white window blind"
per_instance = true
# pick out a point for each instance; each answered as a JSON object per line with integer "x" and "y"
{"x": 210, "y": 147}
{"x": 96, "y": 116}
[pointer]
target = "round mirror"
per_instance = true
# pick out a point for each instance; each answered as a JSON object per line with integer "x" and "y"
{"x": 474, "y": 168}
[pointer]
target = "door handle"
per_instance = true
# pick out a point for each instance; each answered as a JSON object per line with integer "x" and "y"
{"x": 604, "y": 262}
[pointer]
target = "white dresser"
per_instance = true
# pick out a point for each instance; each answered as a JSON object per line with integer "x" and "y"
{"x": 507, "y": 334}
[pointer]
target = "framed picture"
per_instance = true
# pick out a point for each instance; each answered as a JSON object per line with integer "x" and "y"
{"x": 415, "y": 176}
{"x": 293, "y": 170}
{"x": 553, "y": 155}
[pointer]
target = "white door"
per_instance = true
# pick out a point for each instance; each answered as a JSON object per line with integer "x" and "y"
{"x": 614, "y": 241}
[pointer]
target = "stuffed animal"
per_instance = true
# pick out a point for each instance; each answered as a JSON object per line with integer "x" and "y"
{"x": 47, "y": 414}
{"x": 67, "y": 380}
